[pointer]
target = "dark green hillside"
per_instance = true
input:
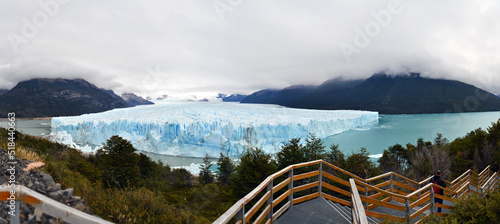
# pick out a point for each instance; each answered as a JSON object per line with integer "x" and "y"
{"x": 403, "y": 94}
{"x": 285, "y": 96}
{"x": 57, "y": 97}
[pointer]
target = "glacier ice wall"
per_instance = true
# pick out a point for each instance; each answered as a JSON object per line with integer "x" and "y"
{"x": 196, "y": 128}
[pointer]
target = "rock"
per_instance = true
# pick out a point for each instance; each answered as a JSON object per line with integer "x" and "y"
{"x": 80, "y": 207}
{"x": 56, "y": 195}
{"x": 40, "y": 182}
{"x": 38, "y": 213}
{"x": 31, "y": 218}
{"x": 66, "y": 194}
{"x": 26, "y": 209}
{"x": 48, "y": 179}
{"x": 44, "y": 219}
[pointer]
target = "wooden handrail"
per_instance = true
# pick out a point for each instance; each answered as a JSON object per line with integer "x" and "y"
{"x": 257, "y": 190}
{"x": 460, "y": 177}
{"x": 257, "y": 206}
{"x": 358, "y": 214}
{"x": 50, "y": 206}
{"x": 379, "y": 177}
{"x": 426, "y": 180}
{"x": 344, "y": 171}
{"x": 489, "y": 180}
{"x": 406, "y": 178}
{"x": 356, "y": 184}
{"x": 380, "y": 190}
{"x": 231, "y": 212}
{"x": 485, "y": 169}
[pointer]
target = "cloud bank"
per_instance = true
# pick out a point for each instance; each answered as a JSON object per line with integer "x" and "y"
{"x": 155, "y": 47}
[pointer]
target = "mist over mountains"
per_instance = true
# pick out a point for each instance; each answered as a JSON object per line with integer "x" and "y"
{"x": 59, "y": 97}
{"x": 401, "y": 94}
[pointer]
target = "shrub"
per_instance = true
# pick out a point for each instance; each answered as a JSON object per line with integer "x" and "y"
{"x": 255, "y": 167}
{"x": 119, "y": 163}
{"x": 476, "y": 209}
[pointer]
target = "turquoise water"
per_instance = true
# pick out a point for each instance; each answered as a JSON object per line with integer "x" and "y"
{"x": 31, "y": 127}
{"x": 389, "y": 130}
{"x": 403, "y": 129}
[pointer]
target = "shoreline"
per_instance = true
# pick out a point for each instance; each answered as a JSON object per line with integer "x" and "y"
{"x": 25, "y": 119}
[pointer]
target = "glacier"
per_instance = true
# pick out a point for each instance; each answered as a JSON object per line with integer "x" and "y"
{"x": 193, "y": 129}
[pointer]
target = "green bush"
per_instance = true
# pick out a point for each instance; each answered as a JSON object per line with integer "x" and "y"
{"x": 120, "y": 163}
{"x": 255, "y": 167}
{"x": 476, "y": 209}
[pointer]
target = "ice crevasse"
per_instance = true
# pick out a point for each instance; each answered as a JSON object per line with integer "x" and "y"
{"x": 197, "y": 128}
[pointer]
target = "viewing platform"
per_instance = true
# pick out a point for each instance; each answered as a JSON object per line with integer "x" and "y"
{"x": 319, "y": 192}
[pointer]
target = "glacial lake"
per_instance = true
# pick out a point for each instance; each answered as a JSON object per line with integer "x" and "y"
{"x": 377, "y": 136}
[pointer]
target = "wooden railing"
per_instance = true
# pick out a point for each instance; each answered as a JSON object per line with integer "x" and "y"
{"x": 47, "y": 205}
{"x": 305, "y": 181}
{"x": 358, "y": 213}
{"x": 420, "y": 195}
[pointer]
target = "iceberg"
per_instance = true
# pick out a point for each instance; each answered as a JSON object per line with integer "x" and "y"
{"x": 193, "y": 129}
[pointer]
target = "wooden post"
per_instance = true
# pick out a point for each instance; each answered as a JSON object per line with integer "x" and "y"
{"x": 392, "y": 187}
{"x": 419, "y": 194}
{"x": 290, "y": 187}
{"x": 16, "y": 219}
{"x": 407, "y": 209}
{"x": 270, "y": 199}
{"x": 241, "y": 214}
{"x": 432, "y": 200}
{"x": 366, "y": 194}
{"x": 468, "y": 189}
{"x": 320, "y": 179}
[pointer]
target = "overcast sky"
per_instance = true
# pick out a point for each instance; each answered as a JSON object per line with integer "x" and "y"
{"x": 154, "y": 47}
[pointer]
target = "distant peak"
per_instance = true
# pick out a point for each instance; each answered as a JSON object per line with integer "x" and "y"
{"x": 298, "y": 87}
{"x": 51, "y": 80}
{"x": 400, "y": 75}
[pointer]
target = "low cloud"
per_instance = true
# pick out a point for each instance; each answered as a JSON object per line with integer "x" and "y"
{"x": 256, "y": 44}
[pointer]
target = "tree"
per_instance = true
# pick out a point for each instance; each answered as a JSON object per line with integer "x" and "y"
{"x": 361, "y": 165}
{"x": 440, "y": 158}
{"x": 314, "y": 148}
{"x": 148, "y": 167}
{"x": 180, "y": 178}
{"x": 335, "y": 156}
{"x": 294, "y": 152}
{"x": 225, "y": 169}
{"x": 206, "y": 176}
{"x": 255, "y": 167}
{"x": 291, "y": 153}
{"x": 420, "y": 166}
{"x": 396, "y": 158}
{"x": 119, "y": 163}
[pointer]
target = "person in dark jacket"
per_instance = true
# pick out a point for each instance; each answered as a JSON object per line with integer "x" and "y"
{"x": 436, "y": 179}
{"x": 494, "y": 168}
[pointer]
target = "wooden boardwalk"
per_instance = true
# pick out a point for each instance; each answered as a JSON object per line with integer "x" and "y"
{"x": 319, "y": 192}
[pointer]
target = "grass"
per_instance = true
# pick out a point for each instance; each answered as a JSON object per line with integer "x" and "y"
{"x": 156, "y": 201}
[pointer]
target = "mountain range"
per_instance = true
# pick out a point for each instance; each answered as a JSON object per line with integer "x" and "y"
{"x": 134, "y": 100}
{"x": 231, "y": 97}
{"x": 59, "y": 97}
{"x": 387, "y": 94}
